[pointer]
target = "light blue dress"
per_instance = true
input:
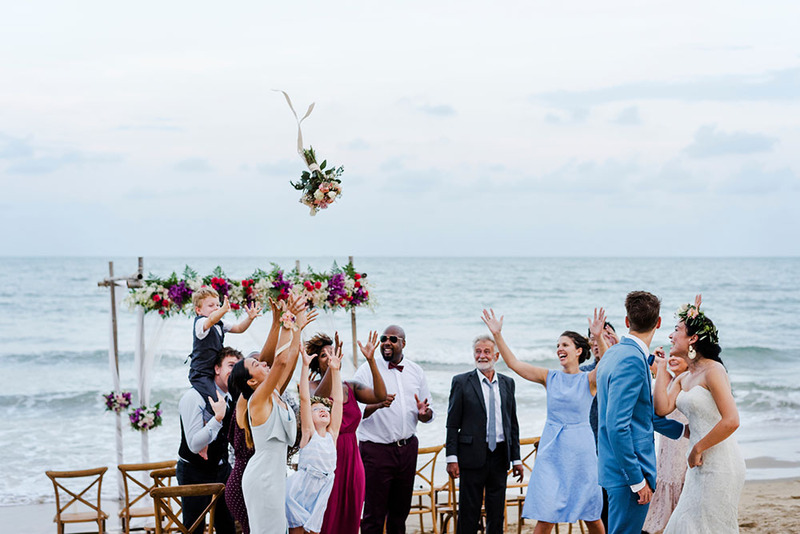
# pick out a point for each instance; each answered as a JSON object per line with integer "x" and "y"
{"x": 563, "y": 486}
{"x": 264, "y": 478}
{"x": 307, "y": 491}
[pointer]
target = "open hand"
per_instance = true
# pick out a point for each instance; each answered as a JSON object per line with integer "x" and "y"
{"x": 698, "y": 299}
{"x": 372, "y": 343}
{"x": 495, "y": 325}
{"x": 597, "y": 323}
{"x": 305, "y": 318}
{"x": 306, "y": 357}
{"x": 276, "y": 310}
{"x": 335, "y": 359}
{"x": 253, "y": 310}
{"x": 422, "y": 405}
{"x": 226, "y": 305}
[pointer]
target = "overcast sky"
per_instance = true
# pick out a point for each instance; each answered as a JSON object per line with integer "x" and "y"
{"x": 615, "y": 128}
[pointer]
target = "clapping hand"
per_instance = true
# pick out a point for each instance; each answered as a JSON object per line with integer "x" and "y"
{"x": 495, "y": 325}
{"x": 253, "y": 310}
{"x": 372, "y": 343}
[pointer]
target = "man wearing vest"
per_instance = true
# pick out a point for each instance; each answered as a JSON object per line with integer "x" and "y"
{"x": 203, "y": 454}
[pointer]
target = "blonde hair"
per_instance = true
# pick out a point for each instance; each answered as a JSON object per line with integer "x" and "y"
{"x": 202, "y": 294}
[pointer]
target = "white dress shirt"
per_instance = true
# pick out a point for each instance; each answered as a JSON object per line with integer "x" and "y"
{"x": 399, "y": 420}
{"x": 199, "y": 431}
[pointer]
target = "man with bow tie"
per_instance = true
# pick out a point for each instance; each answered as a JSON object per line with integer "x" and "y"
{"x": 387, "y": 436}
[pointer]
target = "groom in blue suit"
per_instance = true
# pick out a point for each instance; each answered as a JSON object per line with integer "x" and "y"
{"x": 626, "y": 448}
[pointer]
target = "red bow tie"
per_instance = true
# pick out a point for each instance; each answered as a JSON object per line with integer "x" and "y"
{"x": 393, "y": 365}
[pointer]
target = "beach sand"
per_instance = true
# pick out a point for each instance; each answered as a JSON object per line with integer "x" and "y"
{"x": 766, "y": 507}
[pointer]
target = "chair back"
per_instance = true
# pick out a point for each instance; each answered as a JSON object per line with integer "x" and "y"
{"x": 426, "y": 467}
{"x": 137, "y": 492}
{"x": 163, "y": 498}
{"x": 528, "y": 447}
{"x": 73, "y": 494}
{"x": 163, "y": 477}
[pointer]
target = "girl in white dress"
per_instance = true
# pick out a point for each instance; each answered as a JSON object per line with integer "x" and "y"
{"x": 709, "y": 503}
{"x": 307, "y": 491}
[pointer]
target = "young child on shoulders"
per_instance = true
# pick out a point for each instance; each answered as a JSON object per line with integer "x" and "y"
{"x": 209, "y": 335}
{"x": 307, "y": 491}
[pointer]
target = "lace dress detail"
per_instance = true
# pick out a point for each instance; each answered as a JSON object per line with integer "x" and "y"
{"x": 671, "y": 471}
{"x": 709, "y": 503}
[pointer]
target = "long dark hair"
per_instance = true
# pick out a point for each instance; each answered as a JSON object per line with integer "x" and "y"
{"x": 580, "y": 343}
{"x": 237, "y": 385}
{"x": 705, "y": 345}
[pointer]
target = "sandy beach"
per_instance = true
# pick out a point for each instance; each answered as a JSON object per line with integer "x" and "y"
{"x": 767, "y": 507}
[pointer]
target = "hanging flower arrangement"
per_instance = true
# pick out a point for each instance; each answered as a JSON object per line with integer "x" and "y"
{"x": 117, "y": 402}
{"x": 339, "y": 288}
{"x": 145, "y": 418}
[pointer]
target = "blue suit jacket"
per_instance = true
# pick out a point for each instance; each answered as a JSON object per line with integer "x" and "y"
{"x": 626, "y": 448}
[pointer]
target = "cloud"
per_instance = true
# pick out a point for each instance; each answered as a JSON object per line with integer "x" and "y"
{"x": 14, "y": 147}
{"x": 628, "y": 117}
{"x": 777, "y": 85}
{"x": 708, "y": 142}
{"x": 440, "y": 110}
{"x": 193, "y": 165}
{"x": 53, "y": 163}
{"x": 753, "y": 179}
{"x": 573, "y": 116}
{"x": 357, "y": 144}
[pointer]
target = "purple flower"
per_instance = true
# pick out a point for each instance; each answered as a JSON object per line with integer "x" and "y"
{"x": 180, "y": 293}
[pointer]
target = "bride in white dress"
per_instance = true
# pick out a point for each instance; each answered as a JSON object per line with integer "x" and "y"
{"x": 709, "y": 503}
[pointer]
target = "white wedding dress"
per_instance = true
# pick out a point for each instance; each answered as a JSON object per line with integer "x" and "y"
{"x": 709, "y": 503}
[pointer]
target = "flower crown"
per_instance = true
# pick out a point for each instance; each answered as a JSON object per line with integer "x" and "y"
{"x": 696, "y": 320}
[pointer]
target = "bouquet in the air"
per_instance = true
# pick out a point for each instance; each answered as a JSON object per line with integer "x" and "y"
{"x": 320, "y": 186}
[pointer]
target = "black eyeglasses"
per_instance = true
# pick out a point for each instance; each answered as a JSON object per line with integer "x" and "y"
{"x": 393, "y": 339}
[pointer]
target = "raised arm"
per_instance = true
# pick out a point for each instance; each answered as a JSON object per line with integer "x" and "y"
{"x": 720, "y": 388}
{"x": 663, "y": 396}
{"x": 306, "y": 418}
{"x": 377, "y": 393}
{"x": 324, "y": 387}
{"x": 215, "y": 317}
{"x": 268, "y": 350}
{"x": 525, "y": 370}
{"x": 252, "y": 312}
{"x": 334, "y": 366}
{"x": 597, "y": 325}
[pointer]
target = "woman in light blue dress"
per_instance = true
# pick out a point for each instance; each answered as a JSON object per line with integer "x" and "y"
{"x": 269, "y": 424}
{"x": 563, "y": 487}
{"x": 308, "y": 490}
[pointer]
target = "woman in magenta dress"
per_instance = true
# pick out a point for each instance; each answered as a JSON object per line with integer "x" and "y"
{"x": 343, "y": 514}
{"x": 233, "y": 487}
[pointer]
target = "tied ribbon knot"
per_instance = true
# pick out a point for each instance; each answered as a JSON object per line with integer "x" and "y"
{"x": 397, "y": 366}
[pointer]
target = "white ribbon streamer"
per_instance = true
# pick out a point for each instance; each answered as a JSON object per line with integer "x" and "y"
{"x": 299, "y": 129}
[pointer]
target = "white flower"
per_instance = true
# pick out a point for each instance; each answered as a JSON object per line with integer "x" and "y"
{"x": 332, "y": 195}
{"x": 318, "y": 194}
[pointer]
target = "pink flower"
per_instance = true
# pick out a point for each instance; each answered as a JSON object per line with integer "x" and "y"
{"x": 692, "y": 312}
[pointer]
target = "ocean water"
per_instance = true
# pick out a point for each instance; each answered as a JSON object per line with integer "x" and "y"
{"x": 55, "y": 335}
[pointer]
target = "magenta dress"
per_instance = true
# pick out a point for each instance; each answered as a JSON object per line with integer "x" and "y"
{"x": 233, "y": 487}
{"x": 343, "y": 515}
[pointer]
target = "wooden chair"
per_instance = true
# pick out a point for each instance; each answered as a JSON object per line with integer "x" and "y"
{"x": 515, "y": 491}
{"x": 96, "y": 515}
{"x": 162, "y": 478}
{"x": 426, "y": 468}
{"x": 137, "y": 493}
{"x": 449, "y": 509}
{"x": 163, "y": 498}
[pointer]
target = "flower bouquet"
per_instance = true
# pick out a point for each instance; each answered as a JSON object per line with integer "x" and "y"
{"x": 145, "y": 418}
{"x": 117, "y": 402}
{"x": 320, "y": 186}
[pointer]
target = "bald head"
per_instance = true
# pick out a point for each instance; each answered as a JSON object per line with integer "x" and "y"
{"x": 393, "y": 341}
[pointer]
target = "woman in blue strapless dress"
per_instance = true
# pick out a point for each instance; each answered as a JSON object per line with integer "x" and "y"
{"x": 563, "y": 487}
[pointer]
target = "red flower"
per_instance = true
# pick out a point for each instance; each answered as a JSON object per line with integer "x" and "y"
{"x": 156, "y": 297}
{"x": 357, "y": 276}
{"x": 358, "y": 284}
{"x": 317, "y": 285}
{"x": 161, "y": 312}
{"x": 234, "y": 306}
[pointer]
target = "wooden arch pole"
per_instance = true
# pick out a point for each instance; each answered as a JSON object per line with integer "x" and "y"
{"x": 353, "y": 328}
